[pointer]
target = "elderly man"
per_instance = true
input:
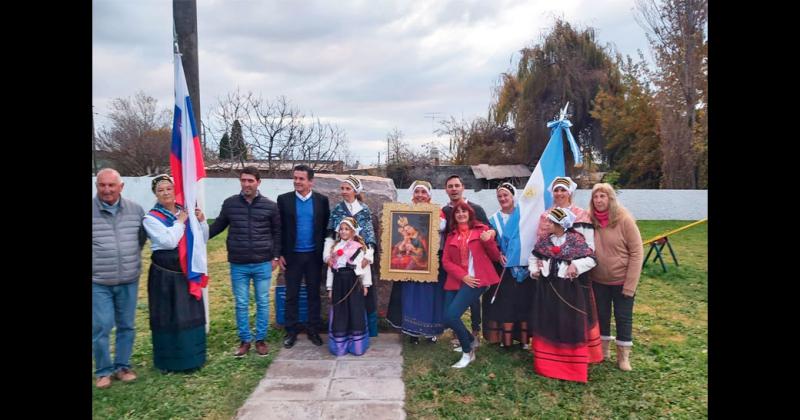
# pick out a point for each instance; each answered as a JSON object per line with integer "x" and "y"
{"x": 117, "y": 240}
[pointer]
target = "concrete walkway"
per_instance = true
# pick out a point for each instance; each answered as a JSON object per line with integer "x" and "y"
{"x": 307, "y": 382}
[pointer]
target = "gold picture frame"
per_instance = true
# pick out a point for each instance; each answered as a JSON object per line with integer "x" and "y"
{"x": 410, "y": 242}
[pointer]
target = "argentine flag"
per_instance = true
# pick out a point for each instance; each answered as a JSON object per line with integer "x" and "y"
{"x": 535, "y": 198}
{"x": 188, "y": 170}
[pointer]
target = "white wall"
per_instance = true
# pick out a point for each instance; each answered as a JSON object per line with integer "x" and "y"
{"x": 644, "y": 204}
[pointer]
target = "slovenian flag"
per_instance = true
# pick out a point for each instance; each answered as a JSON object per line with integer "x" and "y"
{"x": 535, "y": 198}
{"x": 186, "y": 162}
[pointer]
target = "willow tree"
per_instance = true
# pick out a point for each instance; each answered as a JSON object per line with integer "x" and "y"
{"x": 568, "y": 65}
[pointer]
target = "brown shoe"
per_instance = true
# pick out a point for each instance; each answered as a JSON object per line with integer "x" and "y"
{"x": 125, "y": 375}
{"x": 243, "y": 349}
{"x": 261, "y": 348}
{"x": 103, "y": 382}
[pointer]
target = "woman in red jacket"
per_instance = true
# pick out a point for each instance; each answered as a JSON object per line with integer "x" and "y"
{"x": 467, "y": 258}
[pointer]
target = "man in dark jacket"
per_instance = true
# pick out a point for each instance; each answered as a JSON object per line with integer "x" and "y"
{"x": 253, "y": 246}
{"x": 305, "y": 214}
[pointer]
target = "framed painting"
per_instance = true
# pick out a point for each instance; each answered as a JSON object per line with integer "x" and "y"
{"x": 410, "y": 242}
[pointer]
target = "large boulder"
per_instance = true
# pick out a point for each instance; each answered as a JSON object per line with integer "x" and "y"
{"x": 377, "y": 191}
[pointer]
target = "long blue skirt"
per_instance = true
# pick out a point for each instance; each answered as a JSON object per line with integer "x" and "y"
{"x": 423, "y": 309}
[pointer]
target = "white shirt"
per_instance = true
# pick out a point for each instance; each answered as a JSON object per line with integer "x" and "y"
{"x": 303, "y": 198}
{"x": 163, "y": 237}
{"x": 353, "y": 207}
{"x": 365, "y": 273}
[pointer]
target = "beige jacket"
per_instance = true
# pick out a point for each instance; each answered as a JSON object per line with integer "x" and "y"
{"x": 619, "y": 253}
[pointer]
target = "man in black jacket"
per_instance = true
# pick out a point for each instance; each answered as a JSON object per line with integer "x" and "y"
{"x": 305, "y": 216}
{"x": 253, "y": 246}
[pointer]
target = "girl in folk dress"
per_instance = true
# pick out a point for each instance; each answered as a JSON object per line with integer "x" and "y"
{"x": 347, "y": 283}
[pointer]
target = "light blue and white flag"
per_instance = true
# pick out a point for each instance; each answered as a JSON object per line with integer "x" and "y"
{"x": 535, "y": 199}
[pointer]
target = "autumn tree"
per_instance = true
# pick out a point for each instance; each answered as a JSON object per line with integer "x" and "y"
{"x": 479, "y": 141}
{"x": 138, "y": 135}
{"x": 629, "y": 126}
{"x": 677, "y": 32}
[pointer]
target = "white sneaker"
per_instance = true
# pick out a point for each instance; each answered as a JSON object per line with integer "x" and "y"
{"x": 475, "y": 344}
{"x": 466, "y": 359}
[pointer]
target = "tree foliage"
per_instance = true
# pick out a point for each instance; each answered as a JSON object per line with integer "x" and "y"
{"x": 225, "y": 147}
{"x": 479, "y": 141}
{"x": 568, "y": 65}
{"x": 138, "y": 136}
{"x": 238, "y": 147}
{"x": 629, "y": 126}
{"x": 677, "y": 30}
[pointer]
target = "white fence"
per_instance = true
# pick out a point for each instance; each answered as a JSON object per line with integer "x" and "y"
{"x": 644, "y": 204}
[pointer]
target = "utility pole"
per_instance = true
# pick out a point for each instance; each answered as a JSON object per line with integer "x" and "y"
{"x": 184, "y": 14}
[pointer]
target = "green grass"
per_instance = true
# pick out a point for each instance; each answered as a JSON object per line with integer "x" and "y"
{"x": 214, "y": 392}
{"x": 670, "y": 369}
{"x": 669, "y": 360}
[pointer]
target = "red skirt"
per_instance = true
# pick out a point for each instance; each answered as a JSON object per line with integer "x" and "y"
{"x": 566, "y": 335}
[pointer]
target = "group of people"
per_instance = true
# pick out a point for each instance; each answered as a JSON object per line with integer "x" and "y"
{"x": 299, "y": 233}
{"x": 559, "y": 298}
{"x": 556, "y": 301}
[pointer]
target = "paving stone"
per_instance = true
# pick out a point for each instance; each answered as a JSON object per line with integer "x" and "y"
{"x": 368, "y": 369}
{"x": 347, "y": 410}
{"x": 300, "y": 369}
{"x": 291, "y": 389}
{"x": 281, "y": 410}
{"x": 367, "y": 389}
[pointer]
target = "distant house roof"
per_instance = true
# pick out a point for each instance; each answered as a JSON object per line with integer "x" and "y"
{"x": 484, "y": 171}
{"x": 333, "y": 166}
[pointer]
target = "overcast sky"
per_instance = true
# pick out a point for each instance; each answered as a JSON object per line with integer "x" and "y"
{"x": 367, "y": 66}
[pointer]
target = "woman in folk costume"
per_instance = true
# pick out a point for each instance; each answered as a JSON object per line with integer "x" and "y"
{"x": 507, "y": 313}
{"x": 352, "y": 205}
{"x": 415, "y": 307}
{"x": 177, "y": 313}
{"x": 348, "y": 282}
{"x": 619, "y": 265}
{"x": 467, "y": 259}
{"x": 562, "y": 188}
{"x": 562, "y": 306}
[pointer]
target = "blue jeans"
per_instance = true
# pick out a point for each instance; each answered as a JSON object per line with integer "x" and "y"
{"x": 455, "y": 304}
{"x": 113, "y": 305}
{"x": 261, "y": 273}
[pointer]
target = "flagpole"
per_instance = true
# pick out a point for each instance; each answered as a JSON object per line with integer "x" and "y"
{"x": 200, "y": 204}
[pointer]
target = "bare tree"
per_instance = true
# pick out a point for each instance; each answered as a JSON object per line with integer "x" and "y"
{"x": 138, "y": 137}
{"x": 277, "y": 131}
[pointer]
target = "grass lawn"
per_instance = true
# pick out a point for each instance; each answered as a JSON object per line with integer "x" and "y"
{"x": 670, "y": 370}
{"x": 214, "y": 392}
{"x": 669, "y": 359}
